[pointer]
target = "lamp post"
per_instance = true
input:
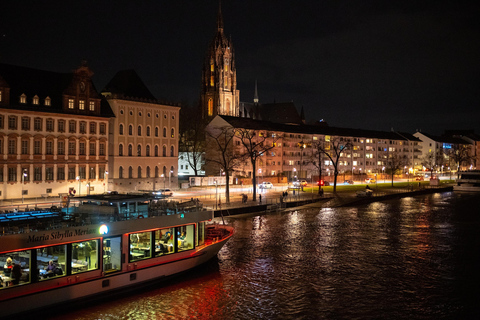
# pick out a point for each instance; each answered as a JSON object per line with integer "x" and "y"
{"x": 24, "y": 174}
{"x": 79, "y": 185}
{"x": 383, "y": 174}
{"x": 163, "y": 176}
{"x": 105, "y": 180}
{"x": 88, "y": 189}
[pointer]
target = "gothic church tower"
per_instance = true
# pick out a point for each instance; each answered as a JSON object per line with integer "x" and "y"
{"x": 219, "y": 95}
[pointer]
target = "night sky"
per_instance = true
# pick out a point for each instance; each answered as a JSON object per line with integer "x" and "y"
{"x": 405, "y": 65}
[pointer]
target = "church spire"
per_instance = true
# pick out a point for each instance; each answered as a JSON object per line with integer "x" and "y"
{"x": 255, "y": 96}
{"x": 219, "y": 17}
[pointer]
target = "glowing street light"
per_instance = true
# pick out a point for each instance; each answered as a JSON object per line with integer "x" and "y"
{"x": 79, "y": 185}
{"x": 163, "y": 176}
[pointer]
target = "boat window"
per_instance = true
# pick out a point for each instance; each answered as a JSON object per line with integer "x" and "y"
{"x": 185, "y": 236}
{"x": 164, "y": 241}
{"x": 112, "y": 253}
{"x": 84, "y": 256}
{"x": 201, "y": 234}
{"x": 140, "y": 246}
{"x": 50, "y": 262}
{"x": 14, "y": 269}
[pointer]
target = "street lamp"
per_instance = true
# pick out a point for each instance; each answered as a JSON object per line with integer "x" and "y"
{"x": 24, "y": 174}
{"x": 163, "y": 176}
{"x": 383, "y": 174}
{"x": 105, "y": 180}
{"x": 79, "y": 185}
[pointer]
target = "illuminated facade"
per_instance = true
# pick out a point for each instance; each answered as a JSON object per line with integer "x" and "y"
{"x": 219, "y": 94}
{"x": 53, "y": 133}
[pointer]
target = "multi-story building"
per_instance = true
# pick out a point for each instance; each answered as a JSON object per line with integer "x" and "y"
{"x": 143, "y": 136}
{"x": 53, "y": 133}
{"x": 296, "y": 147}
{"x": 438, "y": 152}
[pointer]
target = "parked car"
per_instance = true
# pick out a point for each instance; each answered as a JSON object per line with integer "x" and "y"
{"x": 265, "y": 185}
{"x": 419, "y": 178}
{"x": 370, "y": 180}
{"x": 322, "y": 183}
{"x": 303, "y": 183}
{"x": 165, "y": 193}
{"x": 348, "y": 181}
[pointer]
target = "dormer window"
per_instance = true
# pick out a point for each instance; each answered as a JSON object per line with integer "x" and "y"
{"x": 92, "y": 106}
{"x": 48, "y": 101}
{"x": 81, "y": 104}
{"x": 71, "y": 103}
{"x": 35, "y": 99}
{"x": 23, "y": 98}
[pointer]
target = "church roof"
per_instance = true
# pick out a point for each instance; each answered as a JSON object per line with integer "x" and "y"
{"x": 284, "y": 112}
{"x": 127, "y": 84}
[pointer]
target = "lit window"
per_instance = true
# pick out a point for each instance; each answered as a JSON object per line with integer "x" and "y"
{"x": 35, "y": 99}
{"x": 48, "y": 101}
{"x": 210, "y": 107}
{"x": 71, "y": 103}
{"x": 23, "y": 98}
{"x": 92, "y": 106}
{"x": 81, "y": 105}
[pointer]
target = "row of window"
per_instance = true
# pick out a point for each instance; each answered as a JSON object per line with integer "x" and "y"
{"x": 148, "y": 114}
{"x": 147, "y": 151}
{"x": 148, "y": 132}
{"x": 49, "y": 147}
{"x": 81, "y": 104}
{"x": 38, "y": 174}
{"x": 35, "y": 100}
{"x": 121, "y": 173}
{"x": 38, "y": 123}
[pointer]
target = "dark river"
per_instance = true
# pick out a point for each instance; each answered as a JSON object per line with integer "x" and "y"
{"x": 410, "y": 258}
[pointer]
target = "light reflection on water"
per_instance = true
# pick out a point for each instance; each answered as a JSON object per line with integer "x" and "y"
{"x": 411, "y": 258}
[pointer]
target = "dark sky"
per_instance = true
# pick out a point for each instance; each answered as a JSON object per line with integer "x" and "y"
{"x": 360, "y": 64}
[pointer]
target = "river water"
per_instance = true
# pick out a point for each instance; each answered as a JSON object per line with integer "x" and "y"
{"x": 410, "y": 258}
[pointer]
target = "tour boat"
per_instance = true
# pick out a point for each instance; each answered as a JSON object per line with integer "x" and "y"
{"x": 105, "y": 246}
{"x": 468, "y": 181}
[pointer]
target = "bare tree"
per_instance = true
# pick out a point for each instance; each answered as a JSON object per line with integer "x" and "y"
{"x": 317, "y": 159}
{"x": 255, "y": 146}
{"x": 192, "y": 138}
{"x": 459, "y": 154}
{"x": 333, "y": 150}
{"x": 221, "y": 152}
{"x": 395, "y": 163}
{"x": 431, "y": 161}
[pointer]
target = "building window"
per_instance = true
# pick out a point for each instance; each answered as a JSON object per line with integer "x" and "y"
{"x": 26, "y": 123}
{"x": 139, "y": 150}
{"x": 156, "y": 151}
{"x": 37, "y": 174}
{"x": 37, "y": 147}
{"x": 49, "y": 147}
{"x": 164, "y": 132}
{"x": 61, "y": 125}
{"x": 120, "y": 149}
{"x": 92, "y": 148}
{"x": 139, "y": 172}
{"x": 172, "y": 133}
{"x": 83, "y": 127}
{"x": 93, "y": 128}
{"x": 210, "y": 107}
{"x": 72, "y": 126}
{"x": 50, "y": 125}
{"x": 1, "y": 121}
{"x": 71, "y": 103}
{"x": 48, "y": 101}
{"x": 61, "y": 173}
{"x": 35, "y": 100}
{"x": 147, "y": 151}
{"x": 1, "y": 99}
{"x": 148, "y": 131}
{"x": 156, "y": 131}
{"x": 71, "y": 173}
{"x": 92, "y": 173}
{"x": 12, "y": 174}
{"x": 60, "y": 147}
{"x": 92, "y": 106}
{"x": 130, "y": 150}
{"x": 23, "y": 98}
{"x": 148, "y": 172}
{"x": 81, "y": 148}
{"x": 25, "y": 147}
{"x": 71, "y": 148}
{"x": 139, "y": 131}
{"x": 120, "y": 130}
{"x": 82, "y": 172}
{"x": 103, "y": 128}
{"x": 37, "y": 124}
{"x": 49, "y": 173}
{"x": 12, "y": 123}
{"x": 130, "y": 130}
{"x": 120, "y": 173}
{"x": 101, "y": 149}
{"x": 81, "y": 104}
{"x": 172, "y": 151}
{"x": 164, "y": 153}
{"x": 130, "y": 172}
